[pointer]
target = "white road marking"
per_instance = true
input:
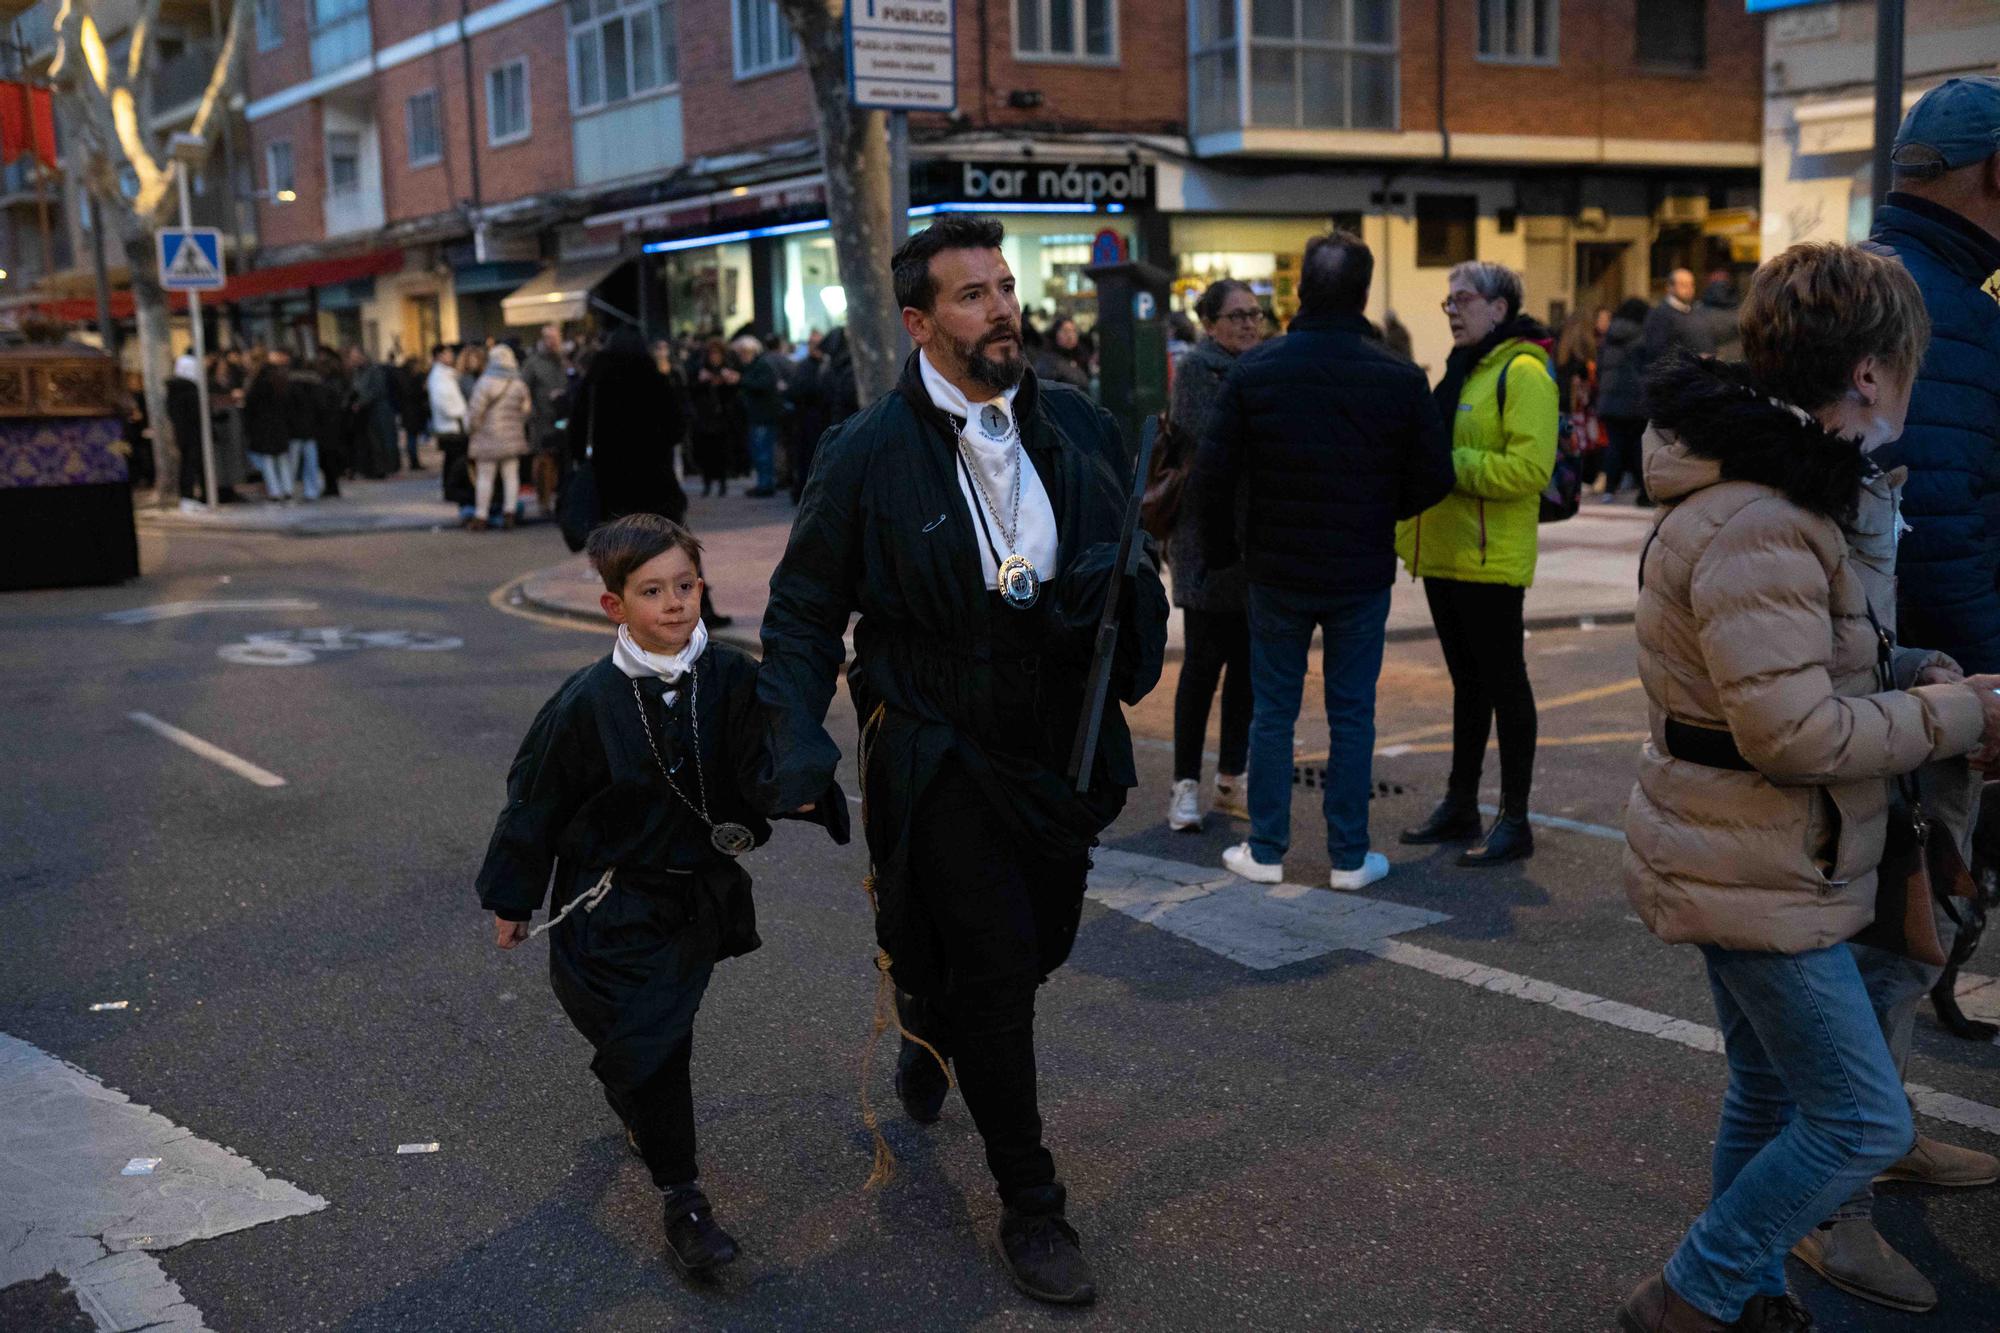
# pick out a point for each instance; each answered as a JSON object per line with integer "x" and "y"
{"x": 65, "y": 1208}
{"x": 242, "y": 768}
{"x": 1270, "y": 926}
{"x": 1979, "y": 997}
{"x": 1566, "y": 825}
{"x": 146, "y": 615}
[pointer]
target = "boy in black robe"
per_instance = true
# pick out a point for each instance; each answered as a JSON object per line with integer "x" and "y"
{"x": 640, "y": 771}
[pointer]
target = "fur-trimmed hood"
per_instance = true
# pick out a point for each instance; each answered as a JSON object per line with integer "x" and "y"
{"x": 1710, "y": 425}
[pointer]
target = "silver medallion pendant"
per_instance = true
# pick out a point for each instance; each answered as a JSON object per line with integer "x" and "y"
{"x": 1020, "y": 583}
{"x": 993, "y": 421}
{"x": 732, "y": 839}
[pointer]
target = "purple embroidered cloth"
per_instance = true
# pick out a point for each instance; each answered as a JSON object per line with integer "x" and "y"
{"x": 66, "y": 451}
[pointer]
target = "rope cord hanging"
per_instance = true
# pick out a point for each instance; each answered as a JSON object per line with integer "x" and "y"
{"x": 884, "y": 1168}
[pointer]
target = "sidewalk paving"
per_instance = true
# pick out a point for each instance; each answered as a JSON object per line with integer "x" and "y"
{"x": 1589, "y": 570}
{"x": 403, "y": 502}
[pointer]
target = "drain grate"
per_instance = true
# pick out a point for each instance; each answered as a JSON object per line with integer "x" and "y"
{"x": 1313, "y": 778}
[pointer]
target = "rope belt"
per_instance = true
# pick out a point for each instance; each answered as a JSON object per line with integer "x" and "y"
{"x": 588, "y": 900}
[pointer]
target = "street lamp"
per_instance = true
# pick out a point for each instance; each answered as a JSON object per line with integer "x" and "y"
{"x": 189, "y": 150}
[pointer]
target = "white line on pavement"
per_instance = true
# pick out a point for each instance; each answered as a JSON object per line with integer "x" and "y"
{"x": 1567, "y": 825}
{"x": 144, "y": 615}
{"x": 215, "y": 754}
{"x": 66, "y": 1208}
{"x": 1270, "y": 926}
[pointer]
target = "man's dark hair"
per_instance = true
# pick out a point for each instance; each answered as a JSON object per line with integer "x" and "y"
{"x": 916, "y": 289}
{"x": 617, "y": 549}
{"x": 439, "y": 349}
{"x": 1336, "y": 272}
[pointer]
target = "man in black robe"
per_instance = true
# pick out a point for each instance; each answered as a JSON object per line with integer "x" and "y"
{"x": 972, "y": 477}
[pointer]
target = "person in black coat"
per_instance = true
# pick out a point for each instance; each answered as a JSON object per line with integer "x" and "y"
{"x": 627, "y": 417}
{"x": 1621, "y": 395}
{"x": 719, "y": 427}
{"x": 184, "y": 415}
{"x": 1336, "y": 439}
{"x": 969, "y": 696}
{"x": 267, "y": 423}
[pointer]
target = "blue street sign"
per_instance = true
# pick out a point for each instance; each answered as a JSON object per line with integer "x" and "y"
{"x": 190, "y": 259}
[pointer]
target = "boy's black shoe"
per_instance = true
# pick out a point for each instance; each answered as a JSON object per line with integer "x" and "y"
{"x": 920, "y": 1083}
{"x": 1045, "y": 1258}
{"x": 694, "y": 1242}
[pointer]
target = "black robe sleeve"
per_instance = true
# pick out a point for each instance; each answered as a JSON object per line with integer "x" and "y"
{"x": 812, "y": 596}
{"x": 557, "y": 768}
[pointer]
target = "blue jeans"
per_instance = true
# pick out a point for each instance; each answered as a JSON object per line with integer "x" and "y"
{"x": 764, "y": 456}
{"x": 1281, "y": 630}
{"x": 304, "y": 459}
{"x": 1813, "y": 1110}
{"x": 276, "y": 469}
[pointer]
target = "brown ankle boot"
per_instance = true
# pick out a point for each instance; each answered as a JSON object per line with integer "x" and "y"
{"x": 1654, "y": 1307}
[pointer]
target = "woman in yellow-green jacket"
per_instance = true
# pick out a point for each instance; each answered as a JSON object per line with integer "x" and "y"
{"x": 1475, "y": 552}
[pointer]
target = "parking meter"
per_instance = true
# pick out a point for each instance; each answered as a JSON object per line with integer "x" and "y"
{"x": 1131, "y": 343}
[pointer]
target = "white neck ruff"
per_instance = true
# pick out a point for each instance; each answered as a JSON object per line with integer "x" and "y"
{"x": 638, "y": 663}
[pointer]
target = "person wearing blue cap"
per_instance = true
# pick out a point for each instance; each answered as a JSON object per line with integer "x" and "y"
{"x": 1942, "y": 222}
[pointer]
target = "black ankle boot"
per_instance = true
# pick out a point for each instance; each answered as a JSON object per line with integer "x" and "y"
{"x": 920, "y": 1083}
{"x": 1456, "y": 819}
{"x": 1511, "y": 838}
{"x": 694, "y": 1242}
{"x": 1045, "y": 1258}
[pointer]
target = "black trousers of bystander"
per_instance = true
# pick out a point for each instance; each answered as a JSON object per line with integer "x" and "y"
{"x": 1218, "y": 649}
{"x": 1004, "y": 918}
{"x": 1479, "y": 628}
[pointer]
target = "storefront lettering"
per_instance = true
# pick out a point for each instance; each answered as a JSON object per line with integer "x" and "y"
{"x": 1070, "y": 183}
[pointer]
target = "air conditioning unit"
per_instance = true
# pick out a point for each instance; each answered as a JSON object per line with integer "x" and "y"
{"x": 1677, "y": 209}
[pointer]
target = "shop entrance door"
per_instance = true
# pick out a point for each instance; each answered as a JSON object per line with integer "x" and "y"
{"x": 1600, "y": 273}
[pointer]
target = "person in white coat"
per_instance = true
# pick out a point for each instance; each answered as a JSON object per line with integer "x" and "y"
{"x": 448, "y": 414}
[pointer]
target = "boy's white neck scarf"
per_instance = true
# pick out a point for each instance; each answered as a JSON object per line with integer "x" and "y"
{"x": 637, "y": 663}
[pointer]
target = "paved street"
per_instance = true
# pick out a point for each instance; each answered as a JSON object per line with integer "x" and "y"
{"x": 247, "y": 812}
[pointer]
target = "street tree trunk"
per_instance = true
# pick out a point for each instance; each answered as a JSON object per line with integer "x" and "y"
{"x": 149, "y": 309}
{"x": 854, "y": 148}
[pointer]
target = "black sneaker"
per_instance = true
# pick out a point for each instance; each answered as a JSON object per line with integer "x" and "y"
{"x": 1045, "y": 1258}
{"x": 920, "y": 1083}
{"x": 694, "y": 1242}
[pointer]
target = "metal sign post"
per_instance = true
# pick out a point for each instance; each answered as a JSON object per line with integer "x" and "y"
{"x": 191, "y": 261}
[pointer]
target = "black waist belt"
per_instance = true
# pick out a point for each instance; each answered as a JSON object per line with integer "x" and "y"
{"x": 1708, "y": 746}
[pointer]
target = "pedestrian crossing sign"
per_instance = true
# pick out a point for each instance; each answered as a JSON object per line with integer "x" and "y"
{"x": 190, "y": 259}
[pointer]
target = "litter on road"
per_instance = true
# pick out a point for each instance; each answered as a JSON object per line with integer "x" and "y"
{"x": 140, "y": 1166}
{"x": 402, "y": 1148}
{"x": 110, "y": 1004}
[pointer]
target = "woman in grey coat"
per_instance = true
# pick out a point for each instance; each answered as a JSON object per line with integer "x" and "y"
{"x": 1215, "y": 611}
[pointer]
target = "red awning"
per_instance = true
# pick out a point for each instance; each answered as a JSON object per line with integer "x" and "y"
{"x": 253, "y": 285}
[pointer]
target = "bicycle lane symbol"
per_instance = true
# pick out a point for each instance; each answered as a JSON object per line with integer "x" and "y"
{"x": 298, "y": 647}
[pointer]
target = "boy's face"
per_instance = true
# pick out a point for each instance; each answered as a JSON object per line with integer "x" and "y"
{"x": 661, "y": 603}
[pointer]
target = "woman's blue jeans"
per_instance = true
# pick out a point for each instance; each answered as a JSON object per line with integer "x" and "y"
{"x": 1814, "y": 1109}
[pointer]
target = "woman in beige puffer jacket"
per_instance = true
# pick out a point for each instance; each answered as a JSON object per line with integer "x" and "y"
{"x": 497, "y": 417}
{"x": 1761, "y": 808}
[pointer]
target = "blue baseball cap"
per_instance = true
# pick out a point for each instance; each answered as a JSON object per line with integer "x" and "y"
{"x": 1953, "y": 125}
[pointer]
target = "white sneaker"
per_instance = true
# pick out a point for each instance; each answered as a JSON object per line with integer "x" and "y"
{"x": 1184, "y": 811}
{"x": 1374, "y": 866}
{"x": 1229, "y": 796}
{"x": 1238, "y": 861}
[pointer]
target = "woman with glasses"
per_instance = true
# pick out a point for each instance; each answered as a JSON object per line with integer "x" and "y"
{"x": 1475, "y": 551}
{"x": 1215, "y": 606}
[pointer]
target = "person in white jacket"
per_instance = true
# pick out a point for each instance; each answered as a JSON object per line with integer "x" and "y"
{"x": 448, "y": 414}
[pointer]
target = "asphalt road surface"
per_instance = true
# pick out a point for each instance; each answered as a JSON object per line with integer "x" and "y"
{"x": 1463, "y": 1105}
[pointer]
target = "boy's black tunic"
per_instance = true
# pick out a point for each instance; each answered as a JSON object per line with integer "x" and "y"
{"x": 978, "y": 705}
{"x": 584, "y": 795}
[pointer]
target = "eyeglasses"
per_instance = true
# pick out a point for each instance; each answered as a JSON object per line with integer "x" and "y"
{"x": 1459, "y": 301}
{"x": 1241, "y": 317}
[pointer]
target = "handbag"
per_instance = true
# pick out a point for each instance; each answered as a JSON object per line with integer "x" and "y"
{"x": 1166, "y": 482}
{"x": 580, "y": 508}
{"x": 1919, "y": 874}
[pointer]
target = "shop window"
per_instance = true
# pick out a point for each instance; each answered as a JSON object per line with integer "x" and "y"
{"x": 1447, "y": 229}
{"x": 1315, "y": 65}
{"x": 343, "y": 162}
{"x": 278, "y": 173}
{"x": 507, "y": 103}
{"x": 764, "y": 40}
{"x": 420, "y": 116}
{"x": 270, "y": 32}
{"x": 620, "y": 49}
{"x": 1066, "y": 29}
{"x": 1523, "y": 31}
{"x": 1673, "y": 34}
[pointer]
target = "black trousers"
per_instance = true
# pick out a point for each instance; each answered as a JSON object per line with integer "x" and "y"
{"x": 1218, "y": 649}
{"x": 1479, "y": 628}
{"x": 660, "y": 1114}
{"x": 1002, "y": 917}
{"x": 1622, "y": 456}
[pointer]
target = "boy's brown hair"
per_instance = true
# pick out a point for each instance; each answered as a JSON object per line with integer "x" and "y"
{"x": 1814, "y": 311}
{"x": 621, "y": 546}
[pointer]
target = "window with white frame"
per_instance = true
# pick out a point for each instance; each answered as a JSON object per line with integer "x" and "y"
{"x": 620, "y": 49}
{"x": 279, "y": 176}
{"x": 343, "y": 162}
{"x": 1518, "y": 30}
{"x": 764, "y": 40}
{"x": 1294, "y": 64}
{"x": 507, "y": 102}
{"x": 270, "y": 32}
{"x": 1066, "y": 29}
{"x": 420, "y": 119}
